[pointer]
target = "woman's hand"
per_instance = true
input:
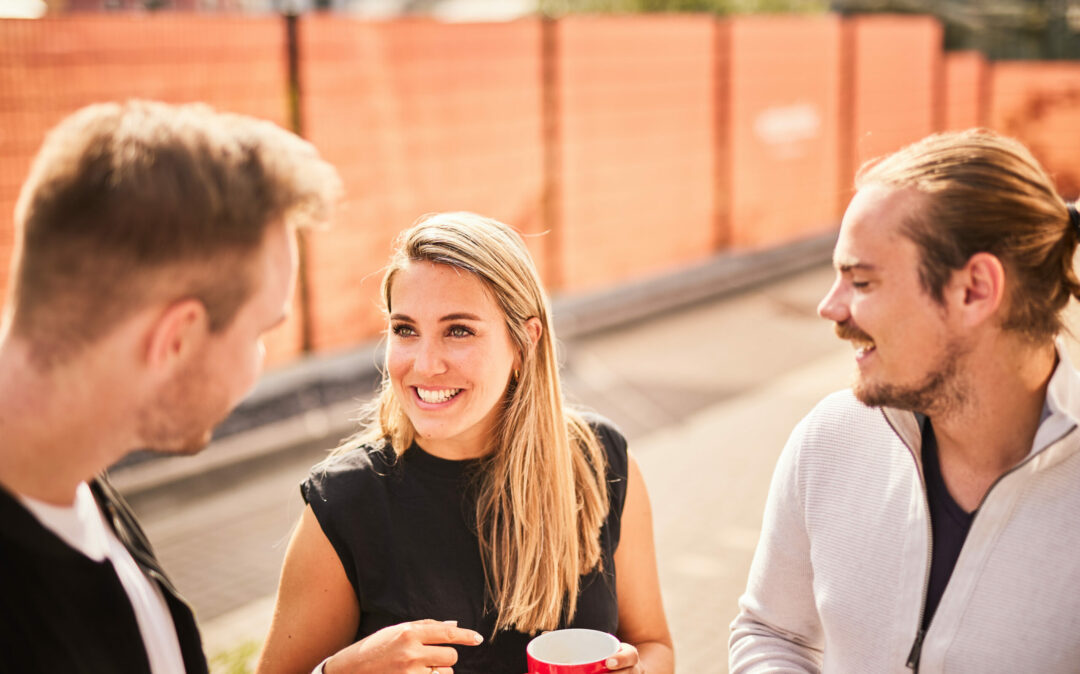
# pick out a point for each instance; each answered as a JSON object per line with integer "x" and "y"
{"x": 418, "y": 647}
{"x": 625, "y": 660}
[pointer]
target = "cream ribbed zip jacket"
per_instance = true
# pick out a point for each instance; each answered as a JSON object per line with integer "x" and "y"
{"x": 838, "y": 579}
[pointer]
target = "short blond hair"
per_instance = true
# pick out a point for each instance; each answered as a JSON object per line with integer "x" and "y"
{"x": 126, "y": 202}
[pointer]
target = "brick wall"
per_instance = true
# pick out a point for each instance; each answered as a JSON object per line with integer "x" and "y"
{"x": 420, "y": 117}
{"x": 784, "y": 98}
{"x": 637, "y": 108}
{"x": 622, "y": 146}
{"x": 896, "y": 84}
{"x": 967, "y": 90}
{"x": 1039, "y": 103}
{"x": 51, "y": 67}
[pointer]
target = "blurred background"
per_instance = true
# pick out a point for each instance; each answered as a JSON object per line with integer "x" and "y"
{"x": 678, "y": 167}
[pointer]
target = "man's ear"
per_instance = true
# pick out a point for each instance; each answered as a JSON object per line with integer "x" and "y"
{"x": 978, "y": 288}
{"x": 180, "y": 329}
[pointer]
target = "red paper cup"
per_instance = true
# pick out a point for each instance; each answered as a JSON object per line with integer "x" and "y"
{"x": 572, "y": 651}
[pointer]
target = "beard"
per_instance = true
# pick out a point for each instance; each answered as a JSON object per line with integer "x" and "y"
{"x": 941, "y": 391}
{"x": 181, "y": 419}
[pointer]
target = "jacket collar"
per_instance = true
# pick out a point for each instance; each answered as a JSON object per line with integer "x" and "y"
{"x": 1061, "y": 409}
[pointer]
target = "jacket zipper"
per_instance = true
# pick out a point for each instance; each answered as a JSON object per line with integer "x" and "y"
{"x": 916, "y": 648}
{"x": 915, "y": 654}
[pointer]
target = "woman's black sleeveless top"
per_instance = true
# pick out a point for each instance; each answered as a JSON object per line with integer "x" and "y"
{"x": 405, "y": 532}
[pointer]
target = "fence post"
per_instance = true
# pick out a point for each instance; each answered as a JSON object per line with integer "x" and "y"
{"x": 296, "y": 125}
{"x": 939, "y": 100}
{"x": 985, "y": 99}
{"x": 846, "y": 112}
{"x": 722, "y": 168}
{"x": 551, "y": 130}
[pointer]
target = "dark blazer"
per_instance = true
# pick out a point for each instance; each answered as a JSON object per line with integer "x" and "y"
{"x": 63, "y": 612}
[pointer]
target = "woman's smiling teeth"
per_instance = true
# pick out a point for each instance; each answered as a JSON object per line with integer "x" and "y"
{"x": 436, "y": 395}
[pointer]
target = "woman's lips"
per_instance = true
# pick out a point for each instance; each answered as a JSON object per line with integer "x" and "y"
{"x": 436, "y": 396}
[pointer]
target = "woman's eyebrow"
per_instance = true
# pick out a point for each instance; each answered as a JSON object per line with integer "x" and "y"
{"x": 460, "y": 316}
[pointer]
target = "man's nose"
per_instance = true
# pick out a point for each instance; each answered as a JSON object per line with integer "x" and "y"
{"x": 834, "y": 306}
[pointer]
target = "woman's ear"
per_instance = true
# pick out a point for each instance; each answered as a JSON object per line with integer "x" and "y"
{"x": 535, "y": 328}
{"x": 176, "y": 333}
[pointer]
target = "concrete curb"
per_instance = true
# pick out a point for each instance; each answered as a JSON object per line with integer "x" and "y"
{"x": 308, "y": 414}
{"x": 721, "y": 275}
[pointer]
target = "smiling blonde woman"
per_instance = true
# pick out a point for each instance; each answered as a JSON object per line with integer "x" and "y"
{"x": 473, "y": 509}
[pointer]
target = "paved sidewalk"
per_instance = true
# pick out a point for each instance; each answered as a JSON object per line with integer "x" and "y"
{"x": 706, "y": 395}
{"x": 716, "y": 392}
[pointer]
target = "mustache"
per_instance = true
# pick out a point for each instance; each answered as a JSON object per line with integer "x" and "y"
{"x": 849, "y": 331}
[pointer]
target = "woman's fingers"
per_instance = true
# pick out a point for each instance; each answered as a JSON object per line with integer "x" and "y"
{"x": 435, "y": 632}
{"x": 439, "y": 657}
{"x": 626, "y": 658}
{"x": 442, "y": 658}
{"x": 420, "y": 646}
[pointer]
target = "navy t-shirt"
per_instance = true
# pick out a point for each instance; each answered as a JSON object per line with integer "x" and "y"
{"x": 948, "y": 522}
{"x": 404, "y": 530}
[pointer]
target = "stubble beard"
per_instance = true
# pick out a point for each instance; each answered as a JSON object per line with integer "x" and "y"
{"x": 941, "y": 392}
{"x": 180, "y": 420}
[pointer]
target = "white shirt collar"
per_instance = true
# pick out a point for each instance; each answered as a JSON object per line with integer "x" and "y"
{"x": 80, "y": 524}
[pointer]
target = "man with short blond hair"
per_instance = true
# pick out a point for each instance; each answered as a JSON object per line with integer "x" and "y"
{"x": 926, "y": 519}
{"x": 154, "y": 248}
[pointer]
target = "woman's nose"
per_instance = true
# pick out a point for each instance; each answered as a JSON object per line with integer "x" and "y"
{"x": 430, "y": 359}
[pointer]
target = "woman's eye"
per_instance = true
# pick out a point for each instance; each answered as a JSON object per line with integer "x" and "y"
{"x": 459, "y": 331}
{"x": 403, "y": 330}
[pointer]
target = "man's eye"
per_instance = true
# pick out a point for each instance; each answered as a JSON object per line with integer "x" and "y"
{"x": 860, "y": 285}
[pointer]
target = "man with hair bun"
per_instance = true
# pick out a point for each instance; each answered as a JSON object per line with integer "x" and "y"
{"x": 926, "y": 519}
{"x": 154, "y": 247}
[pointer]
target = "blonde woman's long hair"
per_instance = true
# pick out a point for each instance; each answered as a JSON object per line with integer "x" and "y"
{"x": 542, "y": 493}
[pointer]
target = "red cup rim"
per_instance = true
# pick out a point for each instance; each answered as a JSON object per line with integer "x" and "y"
{"x": 547, "y": 636}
